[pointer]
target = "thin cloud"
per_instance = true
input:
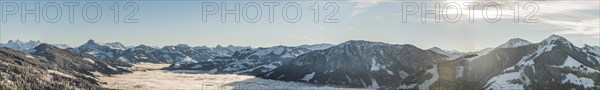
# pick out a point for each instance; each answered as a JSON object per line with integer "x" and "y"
{"x": 572, "y": 17}
{"x": 585, "y": 27}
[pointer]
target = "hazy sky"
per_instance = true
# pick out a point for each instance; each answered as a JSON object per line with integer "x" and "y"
{"x": 180, "y": 21}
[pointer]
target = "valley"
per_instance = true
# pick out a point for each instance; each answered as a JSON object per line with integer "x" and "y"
{"x": 149, "y": 77}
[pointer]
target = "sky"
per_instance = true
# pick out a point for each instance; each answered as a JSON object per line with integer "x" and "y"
{"x": 163, "y": 22}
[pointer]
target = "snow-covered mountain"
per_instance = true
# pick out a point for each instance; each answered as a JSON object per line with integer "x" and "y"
{"x": 362, "y": 64}
{"x": 180, "y": 54}
{"x": 102, "y": 51}
{"x": 554, "y": 63}
{"x": 515, "y": 42}
{"x": 20, "y": 45}
{"x": 247, "y": 61}
{"x": 62, "y": 57}
{"x": 116, "y": 45}
{"x": 49, "y": 67}
{"x": 316, "y": 46}
{"x": 452, "y": 54}
{"x": 29, "y": 45}
{"x": 480, "y": 53}
{"x": 592, "y": 50}
{"x": 231, "y": 48}
{"x": 62, "y": 46}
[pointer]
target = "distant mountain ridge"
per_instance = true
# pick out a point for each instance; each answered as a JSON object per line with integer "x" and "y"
{"x": 452, "y": 54}
{"x": 176, "y": 54}
{"x": 180, "y": 53}
{"x": 247, "y": 61}
{"x": 28, "y": 45}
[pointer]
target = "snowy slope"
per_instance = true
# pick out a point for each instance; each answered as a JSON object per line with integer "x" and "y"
{"x": 582, "y": 81}
{"x": 576, "y": 65}
{"x": 553, "y": 61}
{"x": 515, "y": 42}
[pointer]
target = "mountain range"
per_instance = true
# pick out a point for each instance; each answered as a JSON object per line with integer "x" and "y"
{"x": 248, "y": 61}
{"x": 179, "y": 54}
{"x": 553, "y": 63}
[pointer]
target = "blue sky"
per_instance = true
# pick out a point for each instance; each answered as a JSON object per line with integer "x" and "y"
{"x": 173, "y": 22}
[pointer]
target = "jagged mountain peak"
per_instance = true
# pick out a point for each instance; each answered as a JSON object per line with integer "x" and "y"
{"x": 36, "y": 41}
{"x": 515, "y": 42}
{"x": 19, "y": 41}
{"x": 231, "y": 48}
{"x": 11, "y": 41}
{"x": 22, "y": 42}
{"x": 20, "y": 45}
{"x": 111, "y": 45}
{"x": 90, "y": 42}
{"x": 15, "y": 41}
